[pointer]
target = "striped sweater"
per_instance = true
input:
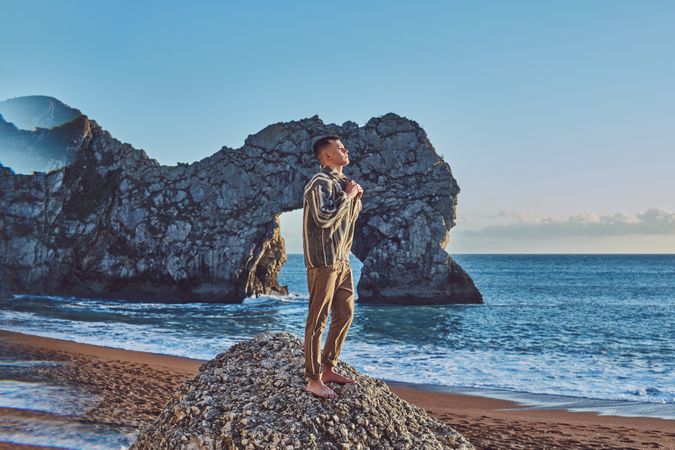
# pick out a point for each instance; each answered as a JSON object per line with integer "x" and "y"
{"x": 328, "y": 218}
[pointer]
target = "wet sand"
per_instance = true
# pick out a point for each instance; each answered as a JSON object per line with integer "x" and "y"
{"x": 133, "y": 387}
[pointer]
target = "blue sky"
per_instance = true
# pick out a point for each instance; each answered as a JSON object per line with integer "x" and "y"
{"x": 548, "y": 112}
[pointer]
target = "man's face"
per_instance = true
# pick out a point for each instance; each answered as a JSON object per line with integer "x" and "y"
{"x": 336, "y": 154}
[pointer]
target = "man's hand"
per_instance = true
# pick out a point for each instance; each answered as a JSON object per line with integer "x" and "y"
{"x": 353, "y": 189}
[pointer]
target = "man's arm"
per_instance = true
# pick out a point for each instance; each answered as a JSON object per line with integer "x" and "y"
{"x": 324, "y": 208}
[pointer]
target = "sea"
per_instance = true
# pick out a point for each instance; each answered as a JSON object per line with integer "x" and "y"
{"x": 584, "y": 332}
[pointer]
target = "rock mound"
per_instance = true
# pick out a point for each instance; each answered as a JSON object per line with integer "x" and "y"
{"x": 252, "y": 396}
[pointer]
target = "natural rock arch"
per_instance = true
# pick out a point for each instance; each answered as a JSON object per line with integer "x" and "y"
{"x": 114, "y": 223}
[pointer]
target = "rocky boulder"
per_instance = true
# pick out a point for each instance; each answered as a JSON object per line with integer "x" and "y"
{"x": 253, "y": 396}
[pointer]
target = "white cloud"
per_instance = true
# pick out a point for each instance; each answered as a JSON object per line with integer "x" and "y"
{"x": 654, "y": 221}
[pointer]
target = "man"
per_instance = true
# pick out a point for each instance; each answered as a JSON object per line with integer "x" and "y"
{"x": 332, "y": 203}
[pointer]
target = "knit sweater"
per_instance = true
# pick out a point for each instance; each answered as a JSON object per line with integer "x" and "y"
{"x": 328, "y": 218}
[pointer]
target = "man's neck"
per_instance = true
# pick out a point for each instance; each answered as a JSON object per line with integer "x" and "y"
{"x": 336, "y": 168}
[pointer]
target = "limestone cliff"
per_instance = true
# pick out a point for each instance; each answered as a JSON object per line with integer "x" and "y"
{"x": 114, "y": 223}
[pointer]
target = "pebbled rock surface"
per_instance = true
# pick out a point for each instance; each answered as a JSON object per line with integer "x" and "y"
{"x": 114, "y": 223}
{"x": 253, "y": 396}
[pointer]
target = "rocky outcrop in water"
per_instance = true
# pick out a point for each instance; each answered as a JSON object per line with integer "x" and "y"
{"x": 252, "y": 396}
{"x": 114, "y": 223}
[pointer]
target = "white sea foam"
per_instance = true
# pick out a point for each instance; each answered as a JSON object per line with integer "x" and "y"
{"x": 62, "y": 400}
{"x": 556, "y": 374}
{"x": 66, "y": 434}
{"x": 587, "y": 327}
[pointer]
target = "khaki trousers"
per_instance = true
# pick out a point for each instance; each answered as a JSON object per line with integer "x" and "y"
{"x": 330, "y": 288}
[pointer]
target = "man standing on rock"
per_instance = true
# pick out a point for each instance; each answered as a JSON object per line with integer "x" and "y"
{"x": 332, "y": 202}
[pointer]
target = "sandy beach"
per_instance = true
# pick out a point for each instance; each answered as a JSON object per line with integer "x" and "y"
{"x": 131, "y": 388}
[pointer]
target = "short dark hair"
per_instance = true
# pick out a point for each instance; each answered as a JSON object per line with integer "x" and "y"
{"x": 323, "y": 142}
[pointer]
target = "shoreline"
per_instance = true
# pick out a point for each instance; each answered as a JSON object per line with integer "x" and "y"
{"x": 133, "y": 386}
{"x": 540, "y": 402}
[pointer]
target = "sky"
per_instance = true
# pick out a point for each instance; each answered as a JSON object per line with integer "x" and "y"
{"x": 557, "y": 118}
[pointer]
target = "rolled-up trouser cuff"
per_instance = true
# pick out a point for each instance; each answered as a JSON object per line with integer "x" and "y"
{"x": 313, "y": 376}
{"x": 329, "y": 362}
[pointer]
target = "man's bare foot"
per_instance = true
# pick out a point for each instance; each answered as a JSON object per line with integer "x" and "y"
{"x": 316, "y": 387}
{"x": 329, "y": 376}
